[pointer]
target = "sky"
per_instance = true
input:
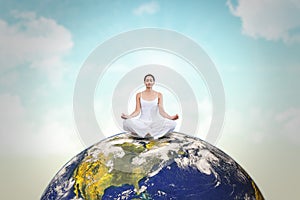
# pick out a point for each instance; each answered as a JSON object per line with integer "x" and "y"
{"x": 254, "y": 45}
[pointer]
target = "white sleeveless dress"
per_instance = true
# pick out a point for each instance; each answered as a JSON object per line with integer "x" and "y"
{"x": 150, "y": 121}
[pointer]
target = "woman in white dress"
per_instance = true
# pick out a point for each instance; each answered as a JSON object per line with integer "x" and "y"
{"x": 153, "y": 121}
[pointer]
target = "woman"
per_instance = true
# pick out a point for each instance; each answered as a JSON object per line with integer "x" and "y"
{"x": 153, "y": 121}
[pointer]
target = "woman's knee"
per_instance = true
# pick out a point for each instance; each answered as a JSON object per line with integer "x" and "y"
{"x": 126, "y": 123}
{"x": 172, "y": 124}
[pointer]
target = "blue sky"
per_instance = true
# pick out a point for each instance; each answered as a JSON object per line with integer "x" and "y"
{"x": 255, "y": 46}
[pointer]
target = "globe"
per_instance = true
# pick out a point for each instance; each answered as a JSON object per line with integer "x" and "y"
{"x": 177, "y": 166}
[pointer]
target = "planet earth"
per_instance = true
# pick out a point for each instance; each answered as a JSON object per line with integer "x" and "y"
{"x": 177, "y": 166}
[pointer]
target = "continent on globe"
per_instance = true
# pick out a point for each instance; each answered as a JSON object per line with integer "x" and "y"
{"x": 176, "y": 166}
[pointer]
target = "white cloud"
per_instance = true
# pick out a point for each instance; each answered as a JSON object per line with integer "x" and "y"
{"x": 38, "y": 42}
{"x": 257, "y": 125}
{"x": 290, "y": 124}
{"x": 11, "y": 117}
{"x": 269, "y": 19}
{"x": 57, "y": 137}
{"x": 147, "y": 8}
{"x": 253, "y": 125}
{"x": 53, "y": 134}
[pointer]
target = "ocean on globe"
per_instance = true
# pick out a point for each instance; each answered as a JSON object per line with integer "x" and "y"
{"x": 176, "y": 166}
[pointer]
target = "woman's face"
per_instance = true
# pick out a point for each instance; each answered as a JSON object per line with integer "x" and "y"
{"x": 149, "y": 82}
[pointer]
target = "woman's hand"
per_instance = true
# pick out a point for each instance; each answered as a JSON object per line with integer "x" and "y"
{"x": 124, "y": 116}
{"x": 174, "y": 117}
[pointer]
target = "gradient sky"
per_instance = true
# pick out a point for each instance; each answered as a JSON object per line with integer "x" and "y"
{"x": 255, "y": 46}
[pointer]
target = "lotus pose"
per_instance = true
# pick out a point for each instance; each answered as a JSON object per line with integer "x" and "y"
{"x": 153, "y": 122}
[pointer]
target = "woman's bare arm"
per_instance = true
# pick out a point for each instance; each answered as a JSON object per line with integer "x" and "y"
{"x": 137, "y": 110}
{"x": 162, "y": 112}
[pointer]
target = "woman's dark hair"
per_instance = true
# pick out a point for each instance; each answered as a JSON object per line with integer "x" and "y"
{"x": 149, "y": 75}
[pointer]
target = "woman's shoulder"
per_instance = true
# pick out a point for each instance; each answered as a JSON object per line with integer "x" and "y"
{"x": 159, "y": 94}
{"x": 138, "y": 94}
{"x": 159, "y": 97}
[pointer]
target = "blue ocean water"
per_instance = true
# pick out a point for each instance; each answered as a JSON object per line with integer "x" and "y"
{"x": 173, "y": 182}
